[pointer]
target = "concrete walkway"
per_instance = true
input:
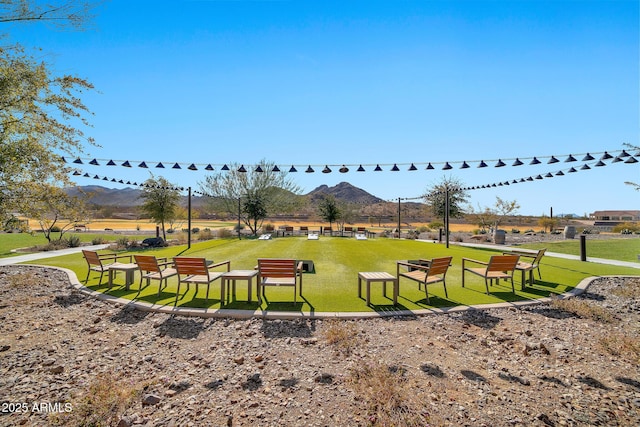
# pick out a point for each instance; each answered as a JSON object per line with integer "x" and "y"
{"x": 245, "y": 314}
{"x": 48, "y": 254}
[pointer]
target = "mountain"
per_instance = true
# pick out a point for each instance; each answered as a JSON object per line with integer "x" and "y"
{"x": 130, "y": 197}
{"x": 102, "y": 196}
{"x": 346, "y": 192}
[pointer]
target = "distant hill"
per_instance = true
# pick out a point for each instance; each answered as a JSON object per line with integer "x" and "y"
{"x": 130, "y": 197}
{"x": 345, "y": 192}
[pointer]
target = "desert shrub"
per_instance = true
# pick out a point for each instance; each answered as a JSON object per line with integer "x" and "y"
{"x": 342, "y": 336}
{"x": 55, "y": 229}
{"x": 73, "y": 242}
{"x": 622, "y": 345}
{"x": 195, "y": 230}
{"x": 515, "y": 231}
{"x": 434, "y": 225}
{"x": 387, "y": 395}
{"x": 122, "y": 243}
{"x": 102, "y": 403}
{"x": 584, "y": 309}
{"x": 423, "y": 229}
{"x": 224, "y": 233}
{"x": 98, "y": 241}
{"x": 630, "y": 227}
{"x": 269, "y": 227}
{"x": 205, "y": 234}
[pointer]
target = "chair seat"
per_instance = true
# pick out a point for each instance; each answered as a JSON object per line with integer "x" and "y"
{"x": 421, "y": 276}
{"x": 202, "y": 278}
{"x": 162, "y": 274}
{"x": 525, "y": 266}
{"x": 279, "y": 281}
{"x": 489, "y": 274}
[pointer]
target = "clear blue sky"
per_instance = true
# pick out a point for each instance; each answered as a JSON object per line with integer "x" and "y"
{"x": 365, "y": 82}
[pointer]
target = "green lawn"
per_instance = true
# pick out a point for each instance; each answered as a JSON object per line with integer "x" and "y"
{"x": 620, "y": 249}
{"x": 333, "y": 285}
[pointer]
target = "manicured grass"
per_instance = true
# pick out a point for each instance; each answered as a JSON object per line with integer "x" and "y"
{"x": 622, "y": 249}
{"x": 333, "y": 284}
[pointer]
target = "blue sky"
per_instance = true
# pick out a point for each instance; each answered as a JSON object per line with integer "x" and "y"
{"x": 365, "y": 82}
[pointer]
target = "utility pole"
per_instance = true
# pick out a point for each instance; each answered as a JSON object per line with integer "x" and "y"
{"x": 399, "y": 217}
{"x": 189, "y": 219}
{"x": 446, "y": 215}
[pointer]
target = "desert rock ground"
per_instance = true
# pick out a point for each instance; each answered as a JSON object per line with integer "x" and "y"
{"x": 89, "y": 361}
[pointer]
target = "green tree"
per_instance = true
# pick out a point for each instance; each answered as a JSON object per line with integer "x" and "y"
{"x": 161, "y": 200}
{"x": 435, "y": 197}
{"x": 52, "y": 208}
{"x": 328, "y": 209}
{"x": 253, "y": 206}
{"x": 41, "y": 114}
{"x": 277, "y": 193}
{"x": 547, "y": 223}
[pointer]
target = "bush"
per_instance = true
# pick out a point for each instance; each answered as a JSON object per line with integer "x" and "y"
{"x": 224, "y": 233}
{"x": 515, "y": 231}
{"x": 423, "y": 229}
{"x": 73, "y": 242}
{"x": 98, "y": 241}
{"x": 122, "y": 242}
{"x": 631, "y": 227}
{"x": 269, "y": 227}
{"x": 195, "y": 230}
{"x": 55, "y": 229}
{"x": 206, "y": 234}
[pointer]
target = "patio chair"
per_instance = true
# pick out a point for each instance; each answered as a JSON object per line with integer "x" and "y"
{"x": 99, "y": 262}
{"x": 498, "y": 267}
{"x": 279, "y": 272}
{"x": 427, "y": 272}
{"x": 535, "y": 258}
{"x": 198, "y": 271}
{"x": 156, "y": 269}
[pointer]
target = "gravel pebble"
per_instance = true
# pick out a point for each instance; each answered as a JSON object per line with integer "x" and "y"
{"x": 533, "y": 366}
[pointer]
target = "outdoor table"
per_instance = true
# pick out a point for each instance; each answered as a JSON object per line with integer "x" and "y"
{"x": 129, "y": 270}
{"x": 377, "y": 276}
{"x": 234, "y": 275}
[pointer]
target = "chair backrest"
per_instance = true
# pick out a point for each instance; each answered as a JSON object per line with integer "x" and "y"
{"x": 348, "y": 228}
{"x": 362, "y": 229}
{"x": 303, "y": 228}
{"x": 503, "y": 263}
{"x": 91, "y": 257}
{"x": 439, "y": 266}
{"x": 189, "y": 265}
{"x": 539, "y": 256}
{"x": 287, "y": 229}
{"x": 147, "y": 263}
{"x": 270, "y": 267}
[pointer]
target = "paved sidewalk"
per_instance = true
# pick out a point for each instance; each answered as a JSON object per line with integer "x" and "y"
{"x": 49, "y": 254}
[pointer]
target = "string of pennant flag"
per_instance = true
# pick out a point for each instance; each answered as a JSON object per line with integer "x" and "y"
{"x": 621, "y": 156}
{"x": 618, "y": 155}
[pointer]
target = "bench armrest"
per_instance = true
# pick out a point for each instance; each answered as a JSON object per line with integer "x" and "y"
{"x": 473, "y": 260}
{"x": 218, "y": 264}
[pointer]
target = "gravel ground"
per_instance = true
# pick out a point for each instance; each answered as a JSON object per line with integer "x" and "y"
{"x": 68, "y": 359}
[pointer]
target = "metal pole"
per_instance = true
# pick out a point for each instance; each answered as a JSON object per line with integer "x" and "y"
{"x": 398, "y": 217}
{"x": 446, "y": 215}
{"x": 189, "y": 219}
{"x": 583, "y": 247}
{"x": 238, "y": 218}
